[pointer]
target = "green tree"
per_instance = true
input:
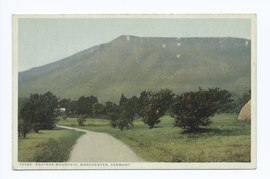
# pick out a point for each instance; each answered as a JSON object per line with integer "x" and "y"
{"x": 85, "y": 105}
{"x": 40, "y": 112}
{"x": 121, "y": 117}
{"x": 65, "y": 103}
{"x": 127, "y": 113}
{"x": 73, "y": 108}
{"x": 108, "y": 107}
{"x": 123, "y": 100}
{"x": 131, "y": 108}
{"x": 98, "y": 109}
{"x": 81, "y": 120}
{"x": 155, "y": 106}
{"x": 222, "y": 99}
{"x": 141, "y": 101}
{"x": 24, "y": 127}
{"x": 22, "y": 101}
{"x": 124, "y": 119}
{"x": 194, "y": 109}
{"x": 113, "y": 111}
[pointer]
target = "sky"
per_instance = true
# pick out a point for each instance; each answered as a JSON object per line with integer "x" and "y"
{"x": 46, "y": 40}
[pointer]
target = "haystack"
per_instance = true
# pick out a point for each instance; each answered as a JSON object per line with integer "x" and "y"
{"x": 245, "y": 113}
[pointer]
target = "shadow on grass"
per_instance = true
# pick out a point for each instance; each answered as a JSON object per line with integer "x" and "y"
{"x": 208, "y": 132}
{"x": 97, "y": 125}
{"x": 57, "y": 128}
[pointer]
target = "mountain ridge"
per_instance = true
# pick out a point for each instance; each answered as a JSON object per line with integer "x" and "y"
{"x": 130, "y": 64}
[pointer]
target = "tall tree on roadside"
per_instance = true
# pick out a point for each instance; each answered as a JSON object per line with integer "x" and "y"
{"x": 40, "y": 112}
{"x": 112, "y": 110}
{"x": 128, "y": 112}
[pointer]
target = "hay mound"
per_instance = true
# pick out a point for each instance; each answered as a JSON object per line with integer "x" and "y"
{"x": 245, "y": 113}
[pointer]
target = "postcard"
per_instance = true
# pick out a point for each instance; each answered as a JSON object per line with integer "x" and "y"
{"x": 134, "y": 91}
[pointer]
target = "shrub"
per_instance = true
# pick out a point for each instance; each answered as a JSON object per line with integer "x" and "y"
{"x": 81, "y": 120}
{"x": 112, "y": 110}
{"x": 155, "y": 106}
{"x": 64, "y": 117}
{"x": 121, "y": 118}
{"x": 193, "y": 109}
{"x": 122, "y": 115}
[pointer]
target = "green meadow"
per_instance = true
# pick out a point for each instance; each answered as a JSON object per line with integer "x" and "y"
{"x": 47, "y": 145}
{"x": 224, "y": 140}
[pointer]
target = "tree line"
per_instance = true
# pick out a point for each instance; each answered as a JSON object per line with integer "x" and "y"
{"x": 190, "y": 110}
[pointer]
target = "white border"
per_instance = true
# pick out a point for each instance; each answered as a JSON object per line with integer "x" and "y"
{"x": 260, "y": 7}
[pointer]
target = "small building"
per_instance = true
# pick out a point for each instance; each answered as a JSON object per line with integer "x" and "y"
{"x": 62, "y": 110}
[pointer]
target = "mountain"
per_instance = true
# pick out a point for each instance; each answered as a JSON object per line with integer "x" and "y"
{"x": 130, "y": 64}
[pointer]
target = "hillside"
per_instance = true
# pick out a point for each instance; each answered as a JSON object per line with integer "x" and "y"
{"x": 130, "y": 64}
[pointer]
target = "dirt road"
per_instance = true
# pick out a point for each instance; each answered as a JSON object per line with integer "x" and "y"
{"x": 100, "y": 147}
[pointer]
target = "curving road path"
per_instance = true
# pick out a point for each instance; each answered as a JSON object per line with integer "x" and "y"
{"x": 100, "y": 147}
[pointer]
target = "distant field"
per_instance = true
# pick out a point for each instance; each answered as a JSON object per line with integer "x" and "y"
{"x": 47, "y": 146}
{"x": 225, "y": 140}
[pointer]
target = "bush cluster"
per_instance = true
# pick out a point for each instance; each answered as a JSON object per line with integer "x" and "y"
{"x": 191, "y": 110}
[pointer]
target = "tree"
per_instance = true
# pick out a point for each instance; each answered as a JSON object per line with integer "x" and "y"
{"x": 48, "y": 111}
{"x": 131, "y": 108}
{"x": 65, "y": 103}
{"x": 98, "y": 109}
{"x": 121, "y": 117}
{"x": 222, "y": 99}
{"x": 193, "y": 109}
{"x": 85, "y": 105}
{"x": 124, "y": 119}
{"x": 73, "y": 108}
{"x": 109, "y": 108}
{"x": 123, "y": 100}
{"x": 113, "y": 111}
{"x": 141, "y": 101}
{"x": 40, "y": 112}
{"x": 127, "y": 113}
{"x": 22, "y": 101}
{"x": 81, "y": 120}
{"x": 24, "y": 127}
{"x": 155, "y": 106}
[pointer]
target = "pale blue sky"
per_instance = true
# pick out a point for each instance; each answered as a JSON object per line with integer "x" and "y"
{"x": 42, "y": 41}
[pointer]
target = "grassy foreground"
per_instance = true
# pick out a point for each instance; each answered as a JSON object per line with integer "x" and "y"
{"x": 225, "y": 140}
{"x": 47, "y": 145}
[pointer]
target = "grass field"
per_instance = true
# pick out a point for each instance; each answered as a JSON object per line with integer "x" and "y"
{"x": 225, "y": 140}
{"x": 47, "y": 146}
